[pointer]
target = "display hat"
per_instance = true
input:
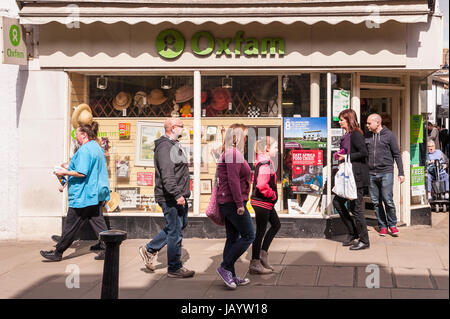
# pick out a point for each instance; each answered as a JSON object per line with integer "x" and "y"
{"x": 220, "y": 99}
{"x": 114, "y": 200}
{"x": 156, "y": 97}
{"x": 183, "y": 94}
{"x": 122, "y": 101}
{"x": 140, "y": 99}
{"x": 81, "y": 115}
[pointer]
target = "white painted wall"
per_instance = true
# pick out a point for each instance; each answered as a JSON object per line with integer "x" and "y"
{"x": 9, "y": 85}
{"x": 33, "y": 110}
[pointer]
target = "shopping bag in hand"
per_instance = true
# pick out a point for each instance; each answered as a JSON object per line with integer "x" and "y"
{"x": 344, "y": 181}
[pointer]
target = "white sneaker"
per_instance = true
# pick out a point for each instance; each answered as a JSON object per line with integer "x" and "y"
{"x": 147, "y": 258}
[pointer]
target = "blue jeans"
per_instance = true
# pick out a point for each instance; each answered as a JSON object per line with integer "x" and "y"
{"x": 176, "y": 221}
{"x": 381, "y": 191}
{"x": 240, "y": 234}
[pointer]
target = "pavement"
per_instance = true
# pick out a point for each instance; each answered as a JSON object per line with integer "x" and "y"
{"x": 413, "y": 266}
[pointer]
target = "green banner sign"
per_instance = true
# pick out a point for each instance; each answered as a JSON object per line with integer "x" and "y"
{"x": 416, "y": 129}
{"x": 415, "y": 154}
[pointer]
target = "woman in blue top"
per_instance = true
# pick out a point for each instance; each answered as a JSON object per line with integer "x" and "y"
{"x": 88, "y": 187}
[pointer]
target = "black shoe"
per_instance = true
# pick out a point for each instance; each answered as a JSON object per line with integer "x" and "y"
{"x": 349, "y": 241}
{"x": 100, "y": 256}
{"x": 359, "y": 246}
{"x": 96, "y": 247}
{"x": 56, "y": 238}
{"x": 51, "y": 255}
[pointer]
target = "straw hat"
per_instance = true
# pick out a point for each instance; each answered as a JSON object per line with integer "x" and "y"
{"x": 220, "y": 99}
{"x": 156, "y": 97}
{"x": 183, "y": 94}
{"x": 114, "y": 200}
{"x": 122, "y": 101}
{"x": 140, "y": 99}
{"x": 81, "y": 115}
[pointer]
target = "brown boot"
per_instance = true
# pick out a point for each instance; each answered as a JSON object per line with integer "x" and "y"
{"x": 257, "y": 269}
{"x": 264, "y": 257}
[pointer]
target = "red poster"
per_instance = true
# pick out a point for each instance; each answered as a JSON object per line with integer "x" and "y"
{"x": 124, "y": 129}
{"x": 307, "y": 171}
{"x": 145, "y": 179}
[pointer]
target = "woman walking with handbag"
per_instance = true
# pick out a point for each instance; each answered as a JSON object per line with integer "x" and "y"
{"x": 264, "y": 196}
{"x": 233, "y": 174}
{"x": 353, "y": 145}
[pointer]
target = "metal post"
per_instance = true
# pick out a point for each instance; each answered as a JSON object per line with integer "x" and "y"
{"x": 110, "y": 282}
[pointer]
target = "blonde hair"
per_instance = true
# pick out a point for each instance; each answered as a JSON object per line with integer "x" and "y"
{"x": 263, "y": 143}
{"x": 235, "y": 137}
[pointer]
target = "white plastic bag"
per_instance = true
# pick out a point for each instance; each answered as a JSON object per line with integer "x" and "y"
{"x": 344, "y": 181}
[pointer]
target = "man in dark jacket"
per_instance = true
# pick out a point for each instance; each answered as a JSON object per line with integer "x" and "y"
{"x": 383, "y": 150}
{"x": 172, "y": 188}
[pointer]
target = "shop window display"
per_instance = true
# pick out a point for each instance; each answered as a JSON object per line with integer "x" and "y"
{"x": 239, "y": 96}
{"x": 296, "y": 95}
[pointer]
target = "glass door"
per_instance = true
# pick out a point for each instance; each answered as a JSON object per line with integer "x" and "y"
{"x": 387, "y": 104}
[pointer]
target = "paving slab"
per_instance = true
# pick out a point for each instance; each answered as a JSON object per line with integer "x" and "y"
{"x": 412, "y": 278}
{"x": 419, "y": 257}
{"x": 368, "y": 273}
{"x": 312, "y": 252}
{"x": 441, "y": 277}
{"x": 268, "y": 279}
{"x": 419, "y": 294}
{"x": 299, "y": 276}
{"x": 336, "y": 276}
{"x": 359, "y": 293}
{"x": 376, "y": 254}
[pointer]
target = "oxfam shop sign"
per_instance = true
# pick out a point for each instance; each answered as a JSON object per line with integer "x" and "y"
{"x": 14, "y": 49}
{"x": 170, "y": 44}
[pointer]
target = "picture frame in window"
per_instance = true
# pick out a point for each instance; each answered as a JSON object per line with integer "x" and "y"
{"x": 147, "y": 133}
{"x": 128, "y": 197}
{"x": 205, "y": 186}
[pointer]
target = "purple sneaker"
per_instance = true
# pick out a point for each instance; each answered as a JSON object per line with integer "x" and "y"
{"x": 227, "y": 277}
{"x": 241, "y": 281}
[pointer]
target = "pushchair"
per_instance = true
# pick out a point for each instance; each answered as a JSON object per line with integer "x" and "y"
{"x": 438, "y": 202}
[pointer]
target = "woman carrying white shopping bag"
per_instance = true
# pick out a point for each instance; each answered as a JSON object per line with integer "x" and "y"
{"x": 353, "y": 147}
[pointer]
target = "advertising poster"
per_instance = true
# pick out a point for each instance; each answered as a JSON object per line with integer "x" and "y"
{"x": 307, "y": 171}
{"x": 416, "y": 127}
{"x": 307, "y": 132}
{"x": 415, "y": 154}
{"x": 336, "y": 135}
{"x": 418, "y": 181}
{"x": 341, "y": 101}
{"x": 145, "y": 179}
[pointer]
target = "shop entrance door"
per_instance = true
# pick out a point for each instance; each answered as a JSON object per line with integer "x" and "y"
{"x": 387, "y": 104}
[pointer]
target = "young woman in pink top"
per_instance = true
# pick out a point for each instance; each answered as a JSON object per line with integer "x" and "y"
{"x": 264, "y": 196}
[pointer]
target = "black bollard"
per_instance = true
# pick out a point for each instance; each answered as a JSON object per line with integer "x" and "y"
{"x": 110, "y": 283}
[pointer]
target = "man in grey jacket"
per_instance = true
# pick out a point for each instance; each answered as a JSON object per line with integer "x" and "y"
{"x": 172, "y": 188}
{"x": 383, "y": 150}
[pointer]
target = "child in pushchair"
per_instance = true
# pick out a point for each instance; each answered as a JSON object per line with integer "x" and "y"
{"x": 438, "y": 183}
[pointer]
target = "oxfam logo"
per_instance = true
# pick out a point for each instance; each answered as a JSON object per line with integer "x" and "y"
{"x": 14, "y": 35}
{"x": 170, "y": 44}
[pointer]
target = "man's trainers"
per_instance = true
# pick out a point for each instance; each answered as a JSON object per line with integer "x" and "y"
{"x": 147, "y": 258}
{"x": 181, "y": 273}
{"x": 394, "y": 231}
{"x": 241, "y": 281}
{"x": 227, "y": 277}
{"x": 383, "y": 232}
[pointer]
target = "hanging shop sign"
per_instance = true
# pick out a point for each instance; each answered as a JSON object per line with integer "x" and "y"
{"x": 171, "y": 43}
{"x": 418, "y": 181}
{"x": 307, "y": 171}
{"x": 416, "y": 129}
{"x": 308, "y": 132}
{"x": 341, "y": 101}
{"x": 14, "y": 50}
{"x": 415, "y": 154}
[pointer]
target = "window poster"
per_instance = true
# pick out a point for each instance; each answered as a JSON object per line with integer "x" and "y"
{"x": 341, "y": 101}
{"x": 306, "y": 132}
{"x": 307, "y": 171}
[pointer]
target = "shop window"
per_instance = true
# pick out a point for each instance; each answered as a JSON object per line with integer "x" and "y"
{"x": 141, "y": 96}
{"x": 296, "y": 95}
{"x": 239, "y": 96}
